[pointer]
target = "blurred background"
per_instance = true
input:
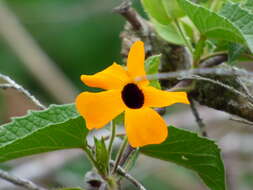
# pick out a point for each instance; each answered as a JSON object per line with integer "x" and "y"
{"x": 45, "y": 45}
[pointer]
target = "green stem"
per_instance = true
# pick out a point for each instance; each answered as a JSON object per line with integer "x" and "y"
{"x": 198, "y": 51}
{"x": 119, "y": 155}
{"x": 213, "y": 55}
{"x": 113, "y": 134}
{"x": 182, "y": 33}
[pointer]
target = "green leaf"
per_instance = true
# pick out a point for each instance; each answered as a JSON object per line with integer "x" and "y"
{"x": 152, "y": 67}
{"x": 210, "y": 24}
{"x": 191, "y": 151}
{"x": 168, "y": 32}
{"x": 248, "y": 5}
{"x": 172, "y": 9}
{"x": 156, "y": 10}
{"x": 234, "y": 52}
{"x": 73, "y": 188}
{"x": 242, "y": 19}
{"x": 102, "y": 156}
{"x": 56, "y": 128}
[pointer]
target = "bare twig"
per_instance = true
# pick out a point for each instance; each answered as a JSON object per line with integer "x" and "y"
{"x": 245, "y": 88}
{"x": 128, "y": 151}
{"x": 19, "y": 182}
{"x": 213, "y": 60}
{"x": 198, "y": 118}
{"x": 129, "y": 14}
{"x": 39, "y": 167}
{"x": 12, "y": 84}
{"x": 130, "y": 178}
{"x": 200, "y": 71}
{"x": 241, "y": 120}
{"x": 232, "y": 89}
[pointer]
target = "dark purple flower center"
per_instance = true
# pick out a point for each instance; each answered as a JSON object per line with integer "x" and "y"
{"x": 132, "y": 96}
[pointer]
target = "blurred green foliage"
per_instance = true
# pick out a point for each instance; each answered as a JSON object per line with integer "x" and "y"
{"x": 80, "y": 36}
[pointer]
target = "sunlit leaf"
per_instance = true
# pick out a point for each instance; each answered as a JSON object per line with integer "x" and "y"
{"x": 168, "y": 32}
{"x": 156, "y": 10}
{"x": 172, "y": 9}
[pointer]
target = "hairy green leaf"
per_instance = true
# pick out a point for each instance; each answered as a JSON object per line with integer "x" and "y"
{"x": 191, "y": 151}
{"x": 234, "y": 52}
{"x": 58, "y": 127}
{"x": 151, "y": 67}
{"x": 248, "y": 5}
{"x": 210, "y": 24}
{"x": 156, "y": 10}
{"x": 242, "y": 19}
{"x": 102, "y": 156}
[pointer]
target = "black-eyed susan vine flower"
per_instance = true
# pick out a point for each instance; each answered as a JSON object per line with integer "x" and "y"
{"x": 125, "y": 94}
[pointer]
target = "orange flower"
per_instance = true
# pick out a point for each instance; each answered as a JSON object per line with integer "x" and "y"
{"x": 123, "y": 93}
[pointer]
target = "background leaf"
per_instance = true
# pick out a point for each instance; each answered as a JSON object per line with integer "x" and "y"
{"x": 102, "y": 156}
{"x": 242, "y": 19}
{"x": 151, "y": 67}
{"x": 191, "y": 151}
{"x": 234, "y": 52}
{"x": 156, "y": 10}
{"x": 168, "y": 32}
{"x": 210, "y": 24}
{"x": 172, "y": 9}
{"x": 248, "y": 5}
{"x": 58, "y": 127}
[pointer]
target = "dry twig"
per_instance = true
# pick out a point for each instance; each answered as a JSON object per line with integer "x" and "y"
{"x": 19, "y": 182}
{"x": 198, "y": 118}
{"x": 130, "y": 178}
{"x": 12, "y": 84}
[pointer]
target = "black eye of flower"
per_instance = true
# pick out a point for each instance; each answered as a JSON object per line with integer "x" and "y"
{"x": 132, "y": 96}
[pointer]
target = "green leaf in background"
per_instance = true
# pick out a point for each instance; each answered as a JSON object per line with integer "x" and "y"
{"x": 172, "y": 9}
{"x": 73, "y": 188}
{"x": 210, "y": 24}
{"x": 151, "y": 67}
{"x": 56, "y": 128}
{"x": 156, "y": 10}
{"x": 242, "y": 19}
{"x": 234, "y": 52}
{"x": 191, "y": 151}
{"x": 102, "y": 156}
{"x": 248, "y": 5}
{"x": 168, "y": 32}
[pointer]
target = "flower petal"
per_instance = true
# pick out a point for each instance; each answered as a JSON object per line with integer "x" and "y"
{"x": 135, "y": 61}
{"x": 144, "y": 126}
{"x": 113, "y": 77}
{"x": 99, "y": 108}
{"x": 158, "y": 98}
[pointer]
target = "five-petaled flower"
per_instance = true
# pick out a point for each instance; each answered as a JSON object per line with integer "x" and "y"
{"x": 124, "y": 93}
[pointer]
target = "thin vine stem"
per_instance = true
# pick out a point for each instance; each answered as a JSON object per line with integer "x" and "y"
{"x": 182, "y": 33}
{"x": 113, "y": 135}
{"x": 198, "y": 51}
{"x": 119, "y": 155}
